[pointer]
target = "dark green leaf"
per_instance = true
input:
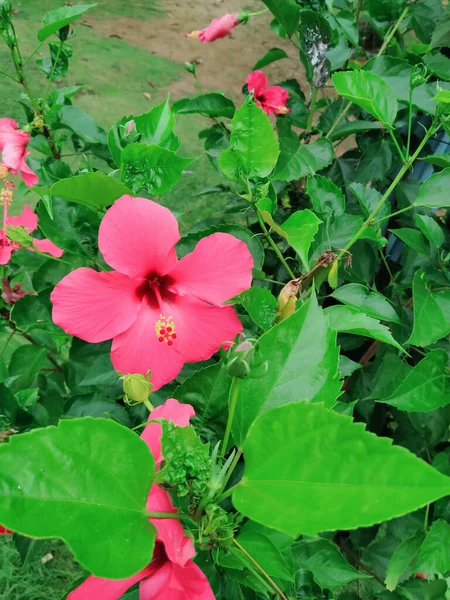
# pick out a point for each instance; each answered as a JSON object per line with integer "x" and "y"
{"x": 431, "y": 312}
{"x": 434, "y": 192}
{"x": 56, "y": 19}
{"x": 35, "y": 312}
{"x": 373, "y": 304}
{"x": 390, "y": 374}
{"x": 303, "y": 339}
{"x": 260, "y": 305}
{"x": 369, "y": 92}
{"x": 343, "y": 478}
{"x": 441, "y": 33}
{"x": 434, "y": 554}
{"x": 26, "y": 363}
{"x": 286, "y": 13}
{"x": 413, "y": 238}
{"x": 269, "y": 57}
{"x": 46, "y": 494}
{"x": 425, "y": 388}
{"x": 152, "y": 168}
{"x": 94, "y": 190}
{"x": 78, "y": 121}
{"x": 439, "y": 160}
{"x": 96, "y": 406}
{"x": 325, "y": 196}
{"x": 369, "y": 199}
{"x": 57, "y": 64}
{"x": 439, "y": 65}
{"x": 431, "y": 230}
{"x": 253, "y": 150}
{"x": 212, "y": 105}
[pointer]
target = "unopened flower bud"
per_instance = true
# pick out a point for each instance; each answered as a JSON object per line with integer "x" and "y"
{"x": 240, "y": 359}
{"x": 136, "y": 387}
{"x": 287, "y": 300}
{"x": 419, "y": 76}
{"x": 5, "y": 9}
{"x": 63, "y": 33}
{"x": 19, "y": 235}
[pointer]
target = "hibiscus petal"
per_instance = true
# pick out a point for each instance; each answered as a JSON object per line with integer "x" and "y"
{"x": 137, "y": 237}
{"x": 14, "y": 148}
{"x": 201, "y": 329}
{"x": 7, "y": 126}
{"x": 49, "y": 247}
{"x": 5, "y": 253}
{"x": 95, "y": 306}
{"x": 274, "y": 98}
{"x": 256, "y": 82}
{"x": 29, "y": 177}
{"x": 172, "y": 411}
{"x": 27, "y": 218}
{"x": 138, "y": 349}
{"x": 179, "y": 547}
{"x": 96, "y": 588}
{"x": 219, "y": 268}
{"x": 171, "y": 581}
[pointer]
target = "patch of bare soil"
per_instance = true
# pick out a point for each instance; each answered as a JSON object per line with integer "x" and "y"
{"x": 224, "y": 64}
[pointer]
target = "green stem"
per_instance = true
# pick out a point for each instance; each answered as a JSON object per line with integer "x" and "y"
{"x": 8, "y": 75}
{"x": 398, "y": 212}
{"x": 226, "y": 494}
{"x": 54, "y": 66}
{"x": 168, "y": 515}
{"x": 396, "y": 144}
{"x": 272, "y": 243}
{"x": 256, "y": 14}
{"x": 425, "y": 522}
{"x": 389, "y": 191}
{"x": 408, "y": 143}
{"x": 38, "y": 47}
{"x": 358, "y": 11}
{"x": 312, "y": 108}
{"x": 149, "y": 405}
{"x": 233, "y": 465}
{"x": 234, "y": 393}
{"x": 253, "y": 571}
{"x": 393, "y": 31}
{"x": 260, "y": 569}
{"x": 339, "y": 119}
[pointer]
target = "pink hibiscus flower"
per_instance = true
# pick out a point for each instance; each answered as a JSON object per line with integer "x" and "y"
{"x": 13, "y": 146}
{"x": 28, "y": 219}
{"x": 217, "y": 29}
{"x": 160, "y": 311}
{"x": 272, "y": 99}
{"x": 171, "y": 574}
{"x": 4, "y": 531}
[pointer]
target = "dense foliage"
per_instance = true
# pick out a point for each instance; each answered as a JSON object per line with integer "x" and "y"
{"x": 272, "y": 417}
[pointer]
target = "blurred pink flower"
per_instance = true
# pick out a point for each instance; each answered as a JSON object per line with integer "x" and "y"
{"x": 272, "y": 99}
{"x": 14, "y": 293}
{"x": 217, "y": 29}
{"x": 13, "y": 146}
{"x": 4, "y": 531}
{"x": 160, "y": 311}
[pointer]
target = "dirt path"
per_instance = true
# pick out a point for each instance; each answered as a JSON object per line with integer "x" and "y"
{"x": 225, "y": 63}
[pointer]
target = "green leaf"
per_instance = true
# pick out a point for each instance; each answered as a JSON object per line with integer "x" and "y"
{"x": 152, "y": 168}
{"x": 343, "y": 477}
{"x": 269, "y": 57}
{"x": 347, "y": 366}
{"x": 35, "y": 312}
{"x": 302, "y": 359}
{"x": 325, "y": 196}
{"x": 431, "y": 312}
{"x": 80, "y": 123}
{"x": 431, "y": 230}
{"x": 439, "y": 160}
{"x": 156, "y": 125}
{"x": 286, "y": 12}
{"x": 329, "y": 568}
{"x": 298, "y": 160}
{"x": 441, "y": 33}
{"x": 188, "y": 242}
{"x": 25, "y": 364}
{"x": 55, "y": 19}
{"x": 346, "y": 319}
{"x": 413, "y": 238}
{"x": 369, "y": 92}
{"x": 259, "y": 545}
{"x": 260, "y": 305}
{"x": 425, "y": 387}
{"x": 434, "y": 192}
{"x": 434, "y": 554}
{"x": 207, "y": 391}
{"x": 368, "y": 199}
{"x": 438, "y": 64}
{"x": 45, "y": 493}
{"x": 373, "y": 304}
{"x": 51, "y": 66}
{"x": 402, "y": 558}
{"x": 212, "y": 105}
{"x": 94, "y": 190}
{"x": 390, "y": 374}
{"x": 90, "y": 370}
{"x": 253, "y": 150}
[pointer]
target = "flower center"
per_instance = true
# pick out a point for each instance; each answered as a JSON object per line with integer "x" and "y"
{"x": 165, "y": 330}
{"x": 4, "y": 170}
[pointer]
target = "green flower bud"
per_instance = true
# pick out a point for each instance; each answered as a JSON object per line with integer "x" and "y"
{"x": 19, "y": 235}
{"x": 418, "y": 76}
{"x": 240, "y": 359}
{"x": 136, "y": 388}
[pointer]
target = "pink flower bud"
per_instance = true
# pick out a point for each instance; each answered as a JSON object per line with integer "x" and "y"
{"x": 217, "y": 29}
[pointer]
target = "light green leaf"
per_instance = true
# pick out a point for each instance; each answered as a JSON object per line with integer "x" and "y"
{"x": 413, "y": 238}
{"x": 425, "y": 387}
{"x": 431, "y": 312}
{"x": 347, "y": 366}
{"x": 369, "y": 92}
{"x": 156, "y": 125}
{"x": 260, "y": 305}
{"x": 439, "y": 160}
{"x": 402, "y": 558}
{"x": 329, "y": 568}
{"x": 55, "y": 19}
{"x": 94, "y": 190}
{"x": 346, "y": 319}
{"x": 286, "y": 12}
{"x": 207, "y": 390}
{"x": 298, "y": 160}
{"x": 212, "y": 105}
{"x": 441, "y": 34}
{"x": 269, "y": 57}
{"x": 253, "y": 150}
{"x": 343, "y": 477}
{"x": 25, "y": 364}
{"x": 152, "y": 168}
{"x": 265, "y": 552}
{"x": 438, "y": 64}
{"x": 373, "y": 304}
{"x": 302, "y": 359}
{"x": 431, "y": 230}
{"x": 325, "y": 196}
{"x": 45, "y": 493}
{"x": 434, "y": 192}
{"x": 434, "y": 554}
